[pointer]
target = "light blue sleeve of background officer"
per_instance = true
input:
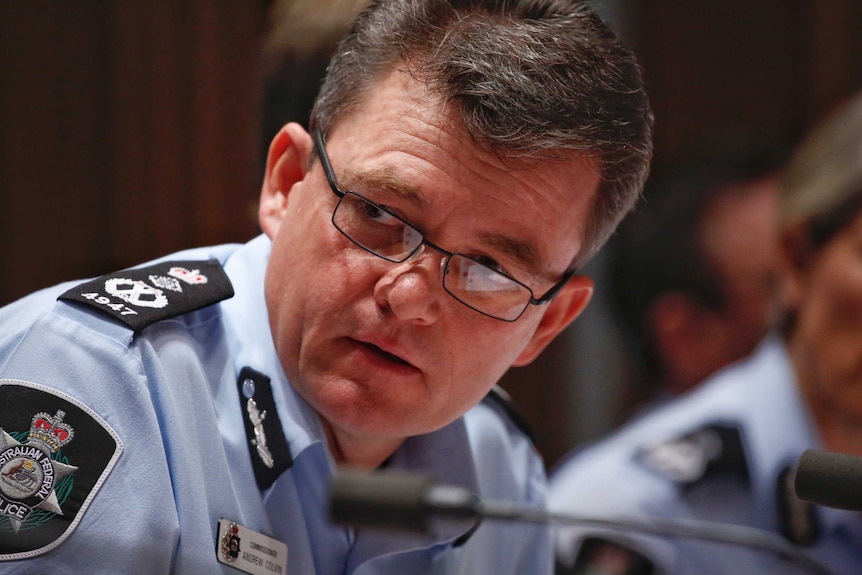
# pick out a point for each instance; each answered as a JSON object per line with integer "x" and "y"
{"x": 723, "y": 454}
{"x": 155, "y": 446}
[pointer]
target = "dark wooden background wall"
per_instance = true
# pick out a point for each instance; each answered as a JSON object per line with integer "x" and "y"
{"x": 130, "y": 128}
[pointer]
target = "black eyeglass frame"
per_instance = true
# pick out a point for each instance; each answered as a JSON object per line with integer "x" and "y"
{"x": 320, "y": 147}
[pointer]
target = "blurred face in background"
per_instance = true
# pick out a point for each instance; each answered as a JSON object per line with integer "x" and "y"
{"x": 741, "y": 239}
{"x": 739, "y": 243}
{"x": 823, "y": 288}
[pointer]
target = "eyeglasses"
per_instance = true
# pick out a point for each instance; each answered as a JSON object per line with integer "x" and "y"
{"x": 379, "y": 231}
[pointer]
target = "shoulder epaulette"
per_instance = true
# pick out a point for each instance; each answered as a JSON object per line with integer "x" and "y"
{"x": 501, "y": 398}
{"x": 687, "y": 459}
{"x": 139, "y": 297}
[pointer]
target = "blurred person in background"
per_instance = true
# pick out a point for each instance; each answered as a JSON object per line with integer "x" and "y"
{"x": 692, "y": 269}
{"x": 727, "y": 451}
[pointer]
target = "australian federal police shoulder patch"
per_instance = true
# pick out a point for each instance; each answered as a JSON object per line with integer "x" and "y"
{"x": 139, "y": 297}
{"x": 55, "y": 453}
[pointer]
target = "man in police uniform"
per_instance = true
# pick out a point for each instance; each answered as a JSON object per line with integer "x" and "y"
{"x": 726, "y": 452}
{"x": 185, "y": 416}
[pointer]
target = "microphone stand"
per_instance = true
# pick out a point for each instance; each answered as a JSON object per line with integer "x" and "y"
{"x": 398, "y": 500}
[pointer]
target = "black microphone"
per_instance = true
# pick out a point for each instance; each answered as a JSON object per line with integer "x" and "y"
{"x": 398, "y": 500}
{"x": 830, "y": 479}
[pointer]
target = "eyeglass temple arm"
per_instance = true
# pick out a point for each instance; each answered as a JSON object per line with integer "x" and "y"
{"x": 555, "y": 289}
{"x": 320, "y": 146}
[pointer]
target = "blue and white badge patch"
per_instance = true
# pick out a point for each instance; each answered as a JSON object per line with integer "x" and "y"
{"x": 55, "y": 453}
{"x": 139, "y": 297}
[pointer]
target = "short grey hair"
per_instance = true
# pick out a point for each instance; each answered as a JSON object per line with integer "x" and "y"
{"x": 530, "y": 78}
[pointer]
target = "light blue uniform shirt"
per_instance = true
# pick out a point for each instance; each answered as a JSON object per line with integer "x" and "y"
{"x": 169, "y": 397}
{"x": 715, "y": 454}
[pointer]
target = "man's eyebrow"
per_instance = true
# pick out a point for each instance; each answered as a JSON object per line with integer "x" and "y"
{"x": 383, "y": 180}
{"x": 522, "y": 252}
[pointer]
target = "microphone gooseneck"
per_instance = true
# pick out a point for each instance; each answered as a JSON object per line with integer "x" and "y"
{"x": 404, "y": 501}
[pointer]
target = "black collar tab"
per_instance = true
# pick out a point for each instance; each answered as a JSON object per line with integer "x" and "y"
{"x": 267, "y": 445}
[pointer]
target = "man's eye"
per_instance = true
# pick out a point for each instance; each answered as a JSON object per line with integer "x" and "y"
{"x": 378, "y": 215}
{"x": 492, "y": 264}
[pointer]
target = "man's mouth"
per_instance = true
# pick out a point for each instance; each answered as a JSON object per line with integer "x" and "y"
{"x": 386, "y": 355}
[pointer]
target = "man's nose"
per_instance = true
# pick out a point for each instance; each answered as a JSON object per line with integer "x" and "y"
{"x": 412, "y": 290}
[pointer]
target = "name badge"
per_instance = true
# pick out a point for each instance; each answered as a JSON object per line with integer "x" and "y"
{"x": 250, "y": 551}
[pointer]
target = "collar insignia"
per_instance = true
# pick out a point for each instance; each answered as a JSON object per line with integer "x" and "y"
{"x": 268, "y": 448}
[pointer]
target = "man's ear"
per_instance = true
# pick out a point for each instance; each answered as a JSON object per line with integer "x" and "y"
{"x": 286, "y": 165}
{"x": 560, "y": 312}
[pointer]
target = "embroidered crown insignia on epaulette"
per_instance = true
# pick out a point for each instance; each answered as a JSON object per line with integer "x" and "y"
{"x": 139, "y": 297}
